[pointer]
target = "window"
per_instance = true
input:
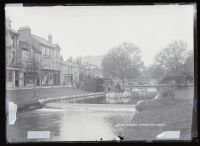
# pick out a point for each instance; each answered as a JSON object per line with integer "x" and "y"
{"x": 47, "y": 51}
{"x": 13, "y": 57}
{"x": 53, "y": 55}
{"x": 70, "y": 70}
{"x": 37, "y": 55}
{"x": 13, "y": 41}
{"x": 51, "y": 52}
{"x": 9, "y": 75}
{"x": 25, "y": 54}
{"x": 43, "y": 50}
{"x": 45, "y": 62}
{"x": 56, "y": 53}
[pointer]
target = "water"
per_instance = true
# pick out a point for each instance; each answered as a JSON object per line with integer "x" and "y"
{"x": 69, "y": 125}
{"x": 138, "y": 89}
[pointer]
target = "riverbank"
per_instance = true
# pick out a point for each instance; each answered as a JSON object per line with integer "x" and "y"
{"x": 28, "y": 99}
{"x": 159, "y": 115}
{"x": 29, "y": 96}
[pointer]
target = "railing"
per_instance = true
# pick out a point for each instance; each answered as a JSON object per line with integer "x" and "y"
{"x": 72, "y": 98}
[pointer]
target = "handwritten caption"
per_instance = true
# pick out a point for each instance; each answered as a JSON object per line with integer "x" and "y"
{"x": 140, "y": 124}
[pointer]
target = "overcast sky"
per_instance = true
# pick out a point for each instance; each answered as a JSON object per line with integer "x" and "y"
{"x": 93, "y": 30}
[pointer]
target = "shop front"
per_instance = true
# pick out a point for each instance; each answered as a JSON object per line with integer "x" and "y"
{"x": 50, "y": 77}
{"x": 68, "y": 79}
{"x": 14, "y": 77}
{"x": 29, "y": 79}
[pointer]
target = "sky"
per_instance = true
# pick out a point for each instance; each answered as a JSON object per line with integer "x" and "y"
{"x": 94, "y": 30}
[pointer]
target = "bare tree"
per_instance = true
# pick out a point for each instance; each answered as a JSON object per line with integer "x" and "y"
{"x": 171, "y": 58}
{"x": 154, "y": 72}
{"x": 119, "y": 60}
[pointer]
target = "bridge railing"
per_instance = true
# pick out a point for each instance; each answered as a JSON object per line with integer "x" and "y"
{"x": 75, "y": 97}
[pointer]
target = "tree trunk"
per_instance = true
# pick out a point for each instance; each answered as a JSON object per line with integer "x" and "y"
{"x": 34, "y": 88}
{"x": 122, "y": 79}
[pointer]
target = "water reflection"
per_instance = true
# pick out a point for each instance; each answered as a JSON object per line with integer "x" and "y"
{"x": 69, "y": 125}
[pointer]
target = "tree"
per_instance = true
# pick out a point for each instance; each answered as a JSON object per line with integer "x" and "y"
{"x": 133, "y": 72}
{"x": 154, "y": 72}
{"x": 189, "y": 63}
{"x": 120, "y": 60}
{"x": 172, "y": 58}
{"x": 32, "y": 68}
{"x": 94, "y": 85}
{"x": 189, "y": 67}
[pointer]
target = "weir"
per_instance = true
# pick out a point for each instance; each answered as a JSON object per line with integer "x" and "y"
{"x": 92, "y": 107}
{"x": 72, "y": 98}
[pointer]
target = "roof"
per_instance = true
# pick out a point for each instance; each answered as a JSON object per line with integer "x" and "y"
{"x": 69, "y": 63}
{"x": 28, "y": 46}
{"x": 44, "y": 41}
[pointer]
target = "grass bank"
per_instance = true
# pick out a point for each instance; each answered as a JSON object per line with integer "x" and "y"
{"x": 166, "y": 114}
{"x": 27, "y": 99}
{"x": 28, "y": 96}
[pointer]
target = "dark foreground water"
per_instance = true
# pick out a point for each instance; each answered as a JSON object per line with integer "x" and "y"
{"x": 69, "y": 125}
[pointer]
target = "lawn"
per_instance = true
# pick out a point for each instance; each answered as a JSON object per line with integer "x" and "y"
{"x": 172, "y": 114}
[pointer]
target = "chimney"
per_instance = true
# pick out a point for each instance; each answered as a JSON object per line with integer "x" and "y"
{"x": 50, "y": 38}
{"x": 24, "y": 33}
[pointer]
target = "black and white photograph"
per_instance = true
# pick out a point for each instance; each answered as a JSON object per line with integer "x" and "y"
{"x": 99, "y": 72}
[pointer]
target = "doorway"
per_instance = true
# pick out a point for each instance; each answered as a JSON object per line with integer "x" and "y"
{"x": 16, "y": 78}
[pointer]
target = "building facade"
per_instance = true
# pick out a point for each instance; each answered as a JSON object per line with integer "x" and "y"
{"x": 32, "y": 60}
{"x": 75, "y": 72}
{"x": 50, "y": 61}
{"x": 14, "y": 68}
{"x": 89, "y": 71}
{"x": 69, "y": 73}
{"x": 45, "y": 53}
{"x": 30, "y": 57}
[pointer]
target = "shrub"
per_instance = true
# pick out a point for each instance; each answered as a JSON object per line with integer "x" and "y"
{"x": 135, "y": 94}
{"x": 93, "y": 85}
{"x": 140, "y": 107}
{"x": 167, "y": 92}
{"x": 99, "y": 84}
{"x": 182, "y": 78}
{"x": 147, "y": 95}
{"x": 150, "y": 95}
